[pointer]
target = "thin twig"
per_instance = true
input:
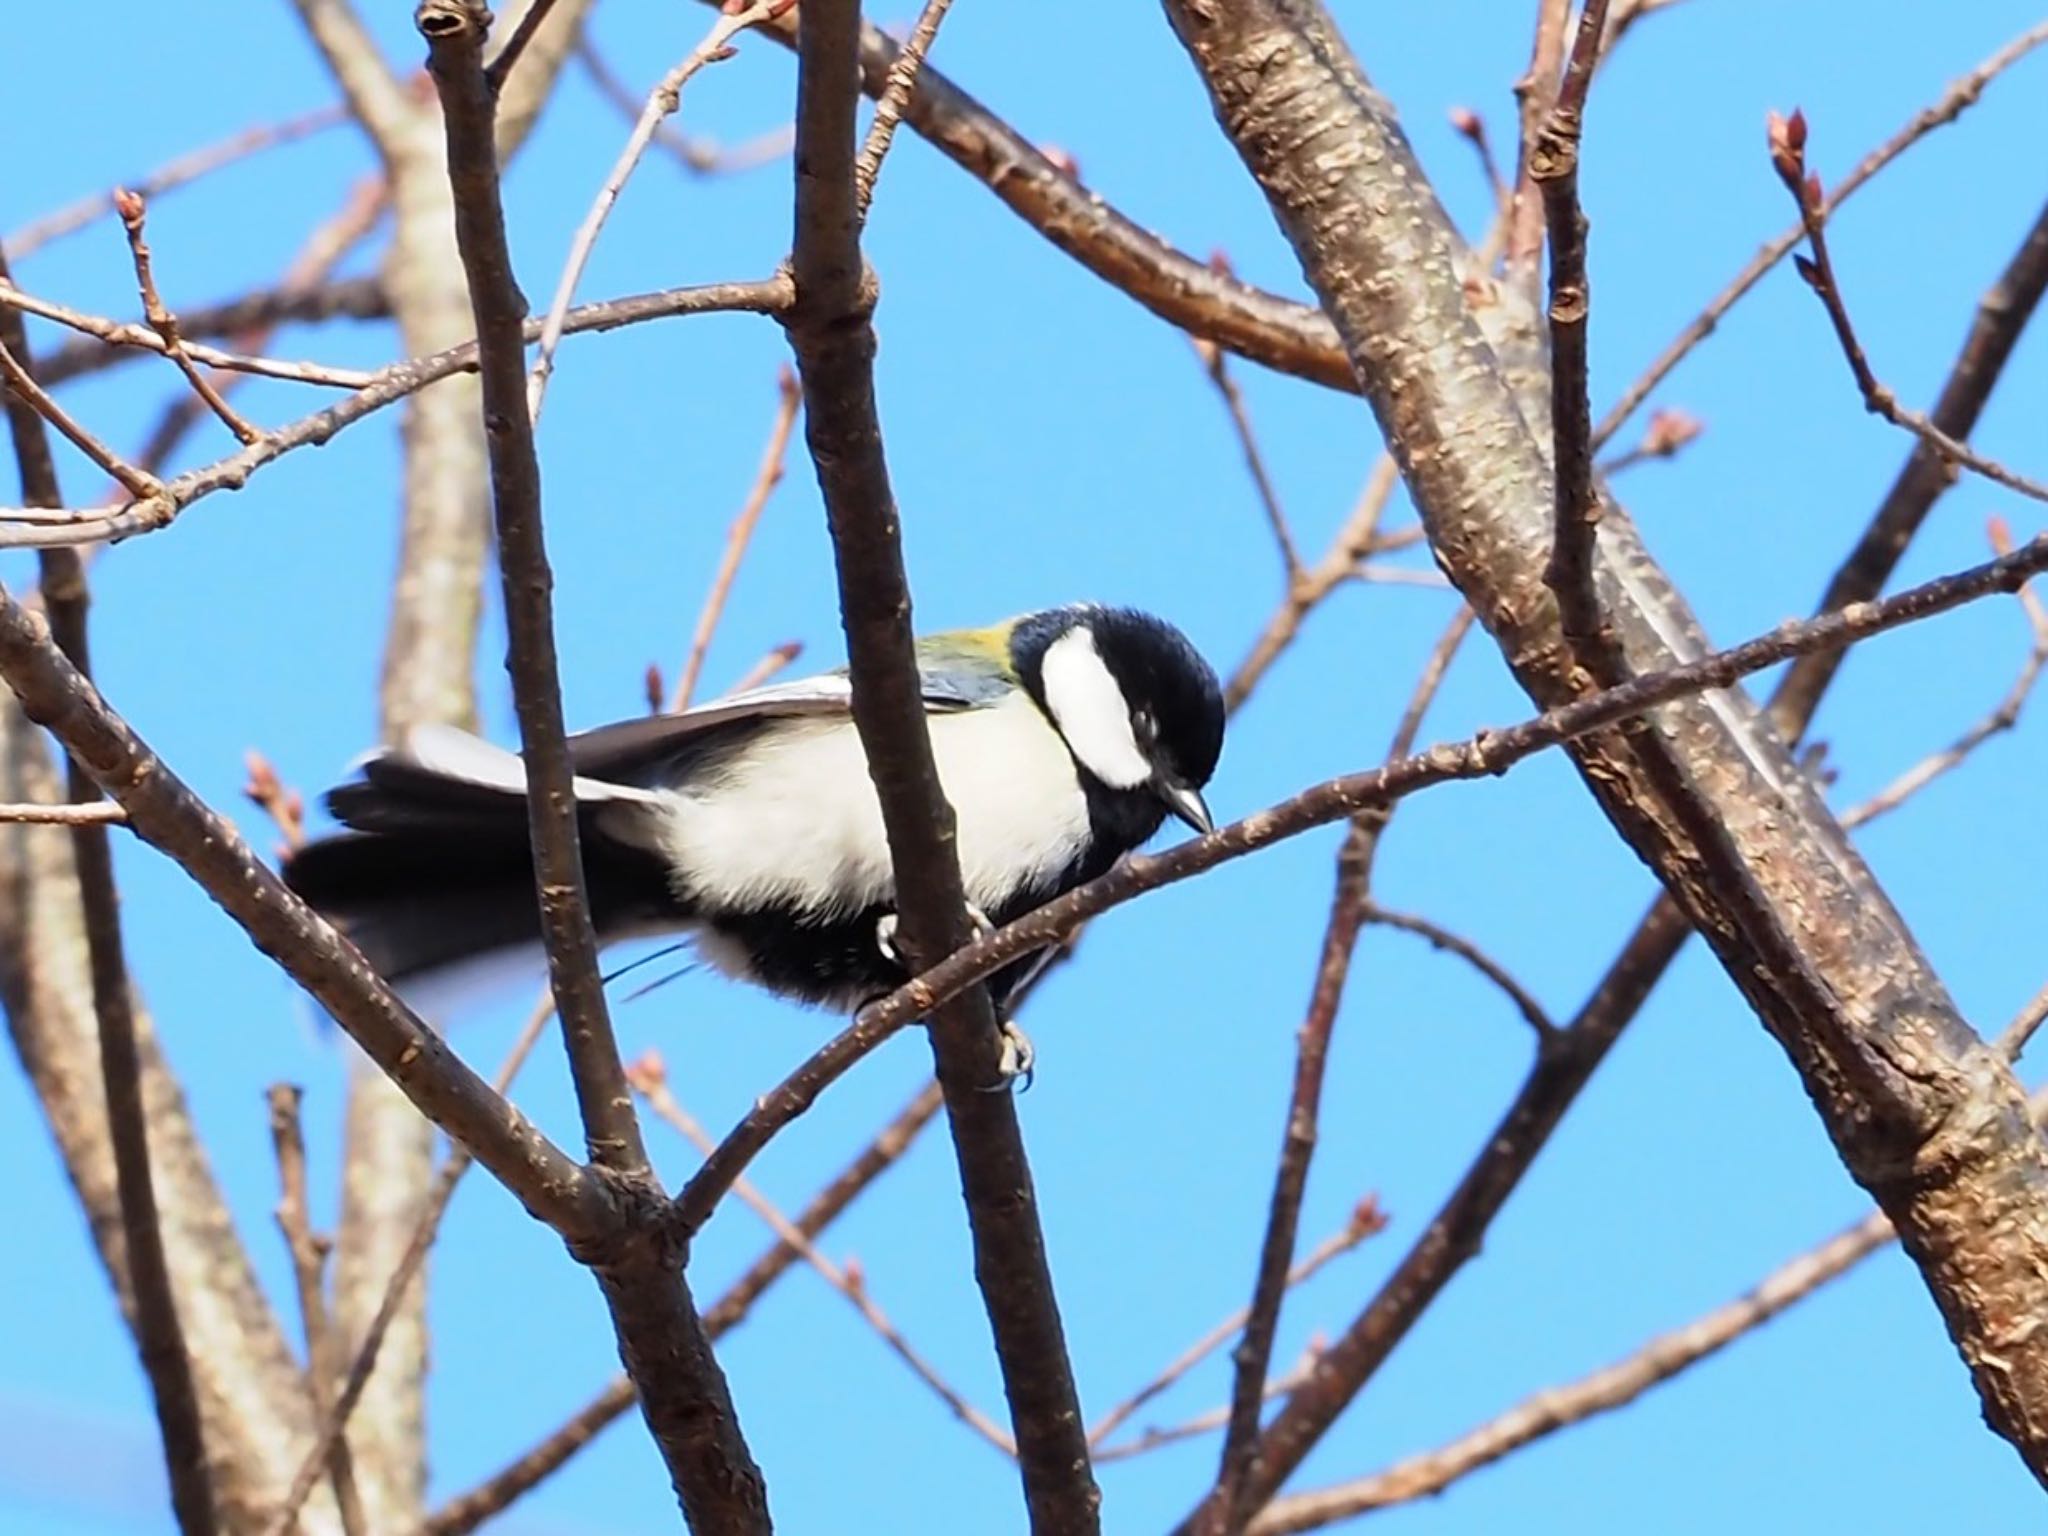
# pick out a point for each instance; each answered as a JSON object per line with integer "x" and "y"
{"x": 739, "y": 535}
{"x": 1485, "y": 755}
{"x": 698, "y": 156}
{"x": 662, "y": 102}
{"x": 1553, "y": 165}
{"x": 156, "y": 508}
{"x": 1788, "y": 158}
{"x": 183, "y": 170}
{"x": 309, "y": 1267}
{"x": 1960, "y": 95}
{"x": 1603, "y": 1391}
{"x": 1227, "y": 1508}
{"x": 1215, "y": 364}
{"x": 1471, "y": 127}
{"x": 123, "y": 333}
{"x": 39, "y": 400}
{"x": 1352, "y": 542}
{"x": 1152, "y": 1438}
{"x": 315, "y": 261}
{"x": 133, "y": 213}
{"x": 63, "y": 639}
{"x": 770, "y": 663}
{"x": 466, "y": 1511}
{"x": 649, "y": 1077}
{"x": 2002, "y": 717}
{"x": 897, "y": 88}
{"x": 1451, "y": 943}
{"x": 1366, "y": 1220}
{"x": 1669, "y": 431}
{"x": 2013, "y": 1039}
{"x": 37, "y": 813}
{"x": 1534, "y": 93}
{"x": 333, "y": 1421}
{"x": 507, "y": 56}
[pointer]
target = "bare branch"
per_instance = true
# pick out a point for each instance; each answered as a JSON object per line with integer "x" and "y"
{"x": 661, "y": 103}
{"x": 1444, "y": 939}
{"x": 682, "y": 1390}
{"x": 159, "y": 1331}
{"x": 1553, "y": 166}
{"x": 1230, "y": 1505}
{"x": 1788, "y": 156}
{"x": 166, "y": 814}
{"x": 1483, "y": 756}
{"x": 830, "y": 330}
{"x": 23, "y": 387}
{"x": 649, "y": 1077}
{"x": 309, "y": 1265}
{"x": 1670, "y": 430}
{"x": 1603, "y": 1391}
{"x": 396, "y": 1289}
{"x": 898, "y": 85}
{"x": 1353, "y": 542}
{"x": 181, "y": 171}
{"x": 1709, "y": 799}
{"x": 766, "y": 478}
{"x": 123, "y": 334}
{"x": 1366, "y": 1220}
{"x": 467, "y": 1511}
{"x": 37, "y": 528}
{"x": 133, "y": 211}
{"x": 698, "y": 156}
{"x": 1954, "y": 101}
{"x": 1214, "y": 364}
{"x": 91, "y": 813}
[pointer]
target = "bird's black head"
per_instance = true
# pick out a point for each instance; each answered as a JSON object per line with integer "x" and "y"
{"x": 1135, "y": 702}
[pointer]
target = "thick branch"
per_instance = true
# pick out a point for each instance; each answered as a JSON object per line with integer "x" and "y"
{"x": 1923, "y": 1115}
{"x": 682, "y": 1391}
{"x": 834, "y": 343}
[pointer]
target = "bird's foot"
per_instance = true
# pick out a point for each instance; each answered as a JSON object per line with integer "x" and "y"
{"x": 885, "y": 931}
{"x": 1017, "y": 1062}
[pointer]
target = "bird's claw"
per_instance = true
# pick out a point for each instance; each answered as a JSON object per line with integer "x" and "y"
{"x": 885, "y": 931}
{"x": 1016, "y": 1064}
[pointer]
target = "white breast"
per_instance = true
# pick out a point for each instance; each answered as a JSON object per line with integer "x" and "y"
{"x": 796, "y": 821}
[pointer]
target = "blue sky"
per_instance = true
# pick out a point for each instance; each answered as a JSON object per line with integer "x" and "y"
{"x": 1050, "y": 441}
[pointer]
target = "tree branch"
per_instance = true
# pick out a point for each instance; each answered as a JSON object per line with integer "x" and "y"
{"x": 159, "y": 1333}
{"x": 1486, "y": 755}
{"x": 682, "y": 1390}
{"x": 830, "y": 332}
{"x": 1230, "y": 1506}
{"x": 1710, "y": 800}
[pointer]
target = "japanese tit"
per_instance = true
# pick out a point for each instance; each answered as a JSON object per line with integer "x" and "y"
{"x": 1063, "y": 739}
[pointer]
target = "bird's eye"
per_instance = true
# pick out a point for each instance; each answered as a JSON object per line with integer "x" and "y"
{"x": 1146, "y": 727}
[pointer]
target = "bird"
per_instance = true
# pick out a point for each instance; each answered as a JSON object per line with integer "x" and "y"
{"x": 1063, "y": 738}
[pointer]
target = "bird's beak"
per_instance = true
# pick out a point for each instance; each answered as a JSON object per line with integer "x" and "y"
{"x": 1184, "y": 803}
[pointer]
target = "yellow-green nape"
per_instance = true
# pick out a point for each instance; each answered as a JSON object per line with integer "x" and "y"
{"x": 989, "y": 643}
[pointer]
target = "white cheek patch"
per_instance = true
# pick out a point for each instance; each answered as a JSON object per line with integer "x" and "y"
{"x": 1091, "y": 710}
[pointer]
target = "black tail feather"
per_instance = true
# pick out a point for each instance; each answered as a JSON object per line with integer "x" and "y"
{"x": 436, "y": 871}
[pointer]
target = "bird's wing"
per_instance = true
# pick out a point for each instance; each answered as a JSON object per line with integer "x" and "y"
{"x": 645, "y": 750}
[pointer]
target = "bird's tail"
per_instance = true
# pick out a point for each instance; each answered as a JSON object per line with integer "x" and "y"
{"x": 436, "y": 868}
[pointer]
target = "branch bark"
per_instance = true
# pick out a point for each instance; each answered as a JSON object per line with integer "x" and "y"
{"x": 830, "y": 330}
{"x": 639, "y": 1268}
{"x": 429, "y": 665}
{"x": 153, "y": 1315}
{"x": 1925, "y": 1117}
